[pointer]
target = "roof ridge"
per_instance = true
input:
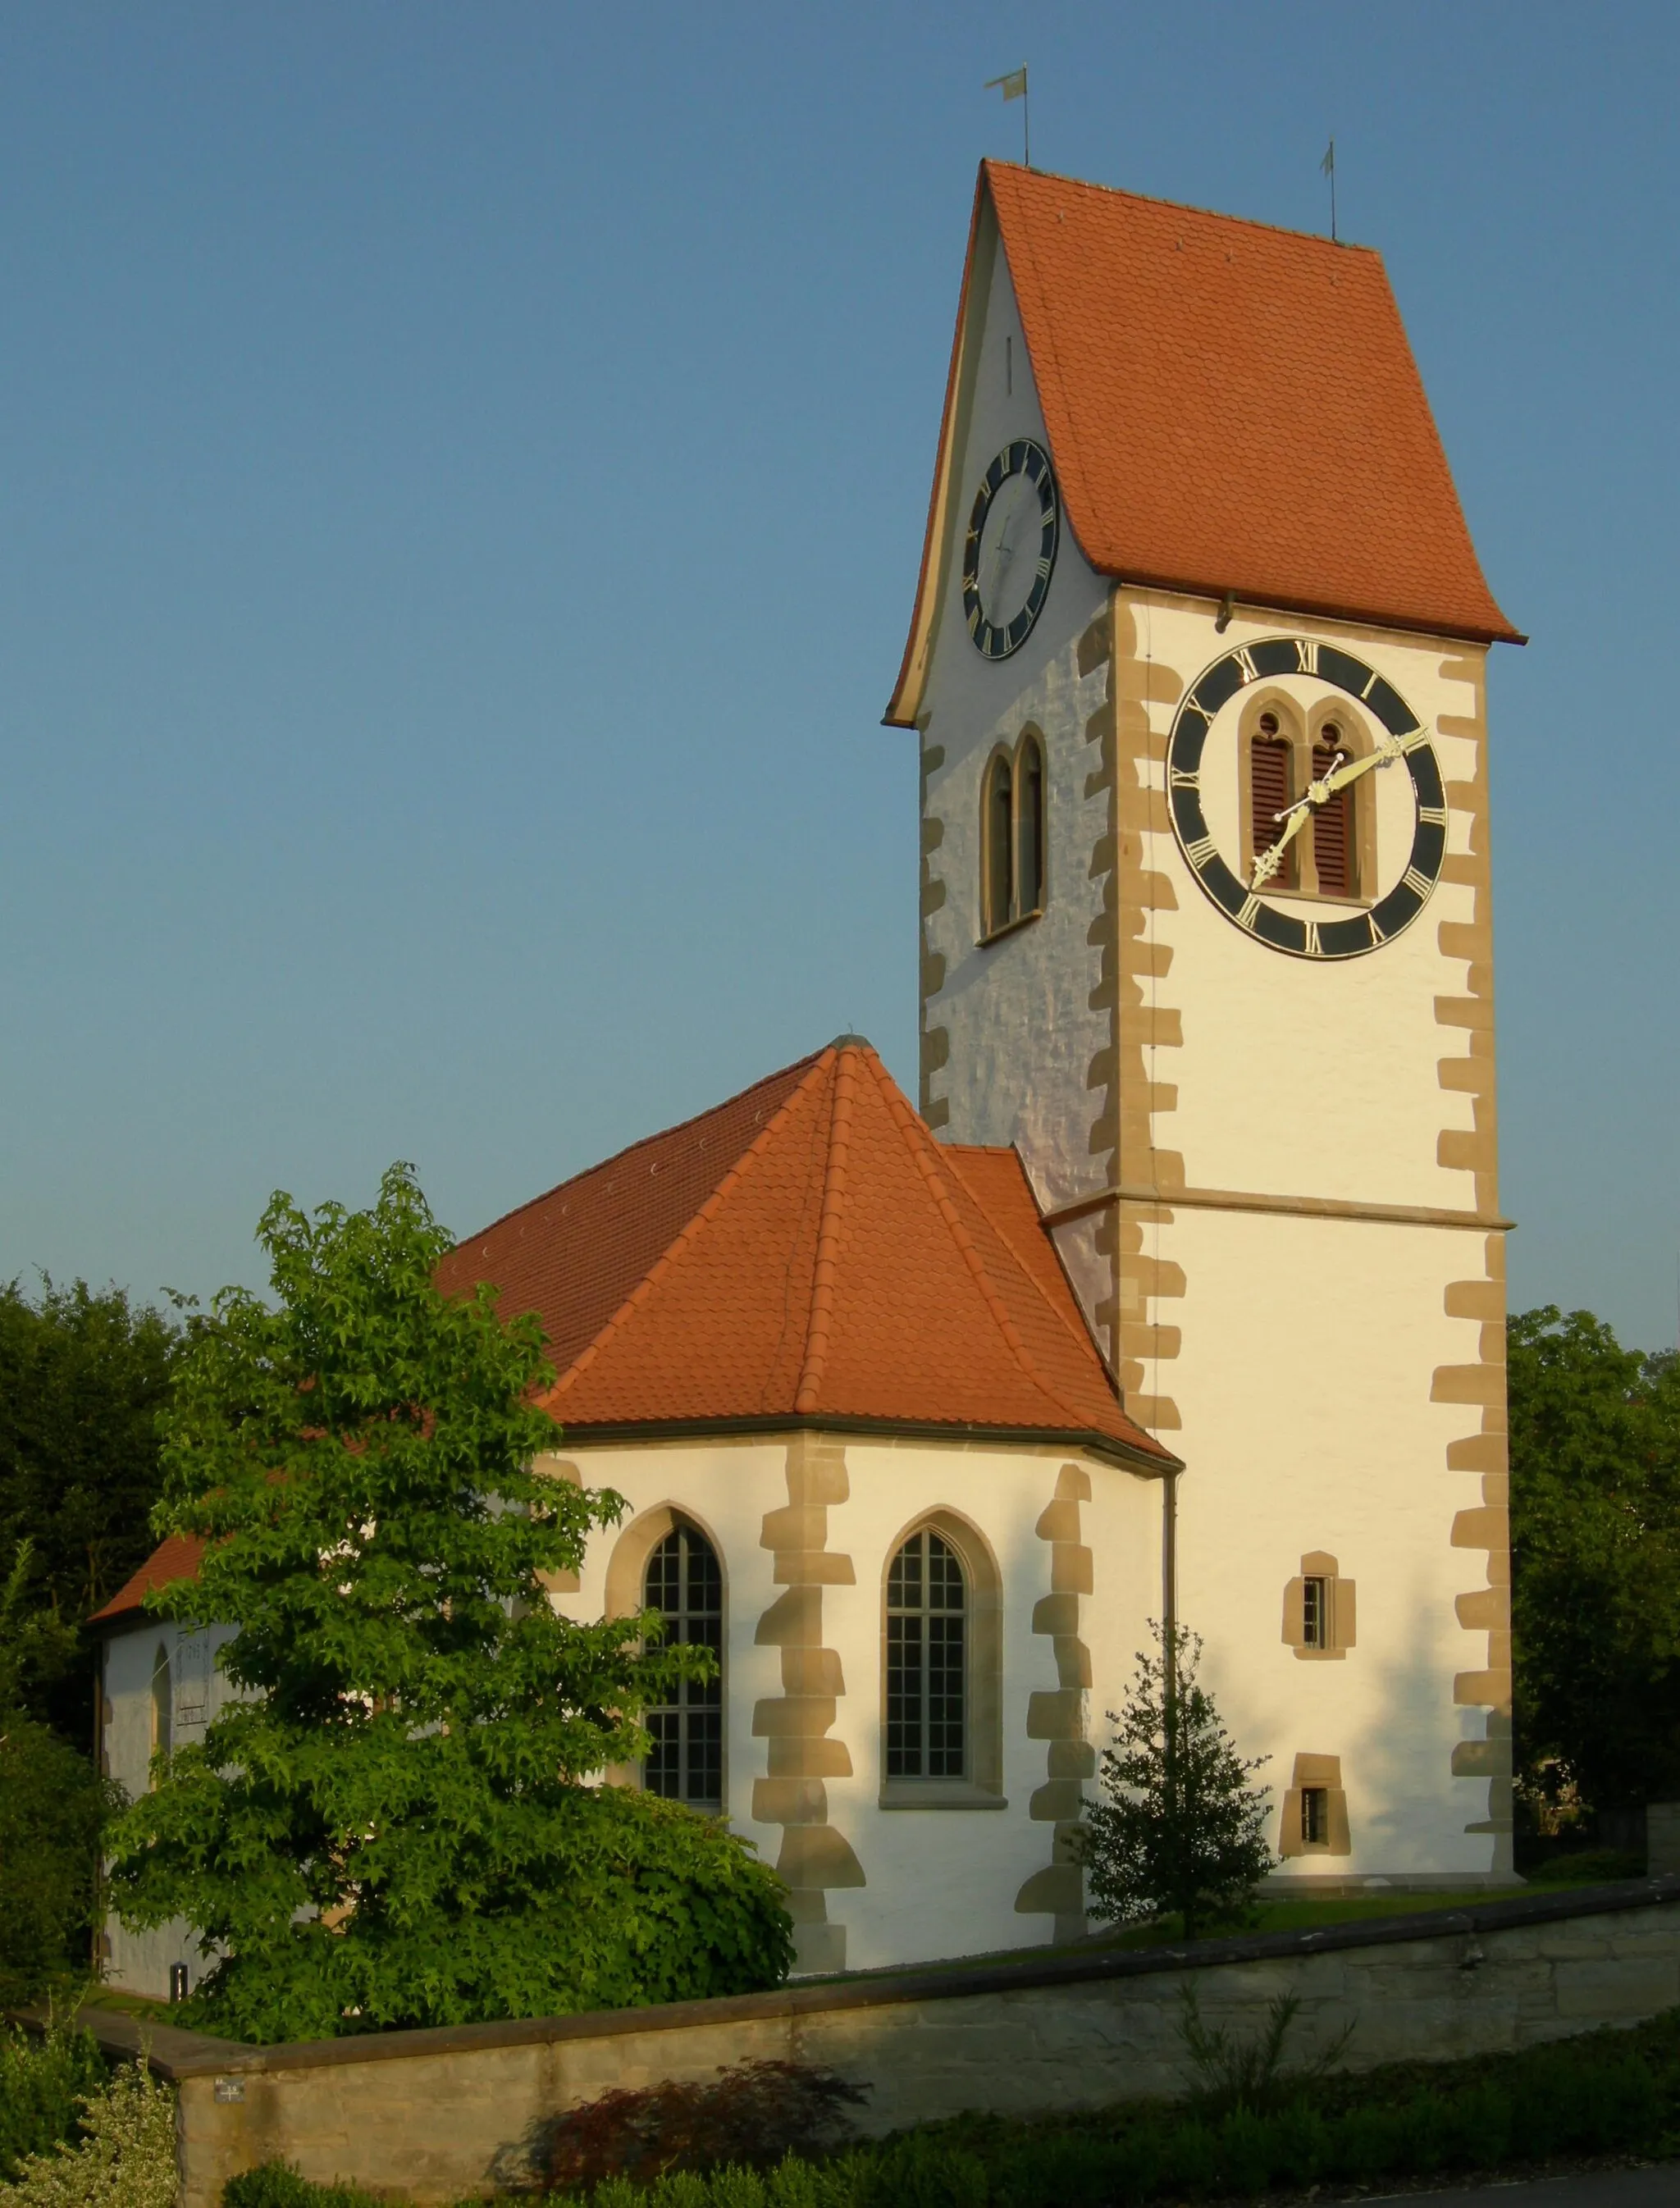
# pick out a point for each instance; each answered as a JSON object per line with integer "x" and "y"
{"x": 821, "y": 1324}
{"x": 1313, "y": 237}
{"x": 641, "y": 1143}
{"x": 911, "y": 1132}
{"x": 662, "y": 1264}
{"x": 1024, "y": 1355}
{"x": 1083, "y": 1335}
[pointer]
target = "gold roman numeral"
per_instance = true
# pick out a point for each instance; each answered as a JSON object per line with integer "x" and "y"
{"x": 1418, "y": 882}
{"x": 1434, "y": 815}
{"x": 1306, "y": 655}
{"x": 1313, "y": 948}
{"x": 1250, "y": 913}
{"x": 1184, "y": 777}
{"x": 1250, "y": 673}
{"x": 1200, "y": 851}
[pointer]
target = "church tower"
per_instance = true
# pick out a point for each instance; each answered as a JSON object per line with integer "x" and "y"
{"x": 1197, "y": 667}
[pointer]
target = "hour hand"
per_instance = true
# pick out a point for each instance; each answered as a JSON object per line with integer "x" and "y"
{"x": 1269, "y": 861}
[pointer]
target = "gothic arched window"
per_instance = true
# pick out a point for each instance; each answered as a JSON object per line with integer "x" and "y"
{"x": 163, "y": 1702}
{"x": 1272, "y": 791}
{"x": 998, "y": 848}
{"x": 684, "y": 1582}
{"x": 1029, "y": 824}
{"x": 1333, "y": 848}
{"x": 926, "y": 1661}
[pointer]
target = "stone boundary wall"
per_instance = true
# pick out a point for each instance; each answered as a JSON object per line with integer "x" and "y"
{"x": 441, "y": 2115}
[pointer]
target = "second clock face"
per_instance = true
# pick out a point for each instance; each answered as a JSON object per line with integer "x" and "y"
{"x": 1344, "y": 924}
{"x": 1010, "y": 548}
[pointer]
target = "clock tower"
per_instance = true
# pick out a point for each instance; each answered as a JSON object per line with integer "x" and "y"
{"x": 1197, "y": 669}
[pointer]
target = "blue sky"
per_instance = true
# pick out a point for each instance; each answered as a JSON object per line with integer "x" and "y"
{"x": 464, "y": 469}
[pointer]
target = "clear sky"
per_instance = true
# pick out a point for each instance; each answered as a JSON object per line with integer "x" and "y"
{"x": 462, "y": 473}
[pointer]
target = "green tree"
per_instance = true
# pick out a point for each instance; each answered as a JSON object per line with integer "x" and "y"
{"x": 82, "y": 1378}
{"x": 52, "y": 1810}
{"x": 1595, "y": 1556}
{"x": 1181, "y": 1830}
{"x": 393, "y": 1827}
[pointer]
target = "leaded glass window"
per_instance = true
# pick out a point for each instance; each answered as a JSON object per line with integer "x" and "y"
{"x": 685, "y": 1760}
{"x": 926, "y": 1661}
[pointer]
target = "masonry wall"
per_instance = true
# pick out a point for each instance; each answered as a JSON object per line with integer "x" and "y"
{"x": 440, "y": 2115}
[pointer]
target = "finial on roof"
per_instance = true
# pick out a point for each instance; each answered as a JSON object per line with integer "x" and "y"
{"x": 851, "y": 1042}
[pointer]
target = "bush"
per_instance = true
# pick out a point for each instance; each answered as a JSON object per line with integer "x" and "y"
{"x": 124, "y": 2158}
{"x": 757, "y": 2112}
{"x": 279, "y": 2185}
{"x": 43, "y": 2081}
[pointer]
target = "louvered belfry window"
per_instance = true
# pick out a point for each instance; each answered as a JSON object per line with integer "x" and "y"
{"x": 999, "y": 857}
{"x": 1332, "y": 822}
{"x": 685, "y": 1760}
{"x": 1270, "y": 784}
{"x": 926, "y": 1652}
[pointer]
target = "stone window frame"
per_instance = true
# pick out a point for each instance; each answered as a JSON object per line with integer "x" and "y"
{"x": 1341, "y": 1609}
{"x": 1320, "y": 1774}
{"x": 627, "y": 1580}
{"x": 983, "y": 1659}
{"x": 993, "y": 923}
{"x": 1302, "y": 726}
{"x": 162, "y": 1719}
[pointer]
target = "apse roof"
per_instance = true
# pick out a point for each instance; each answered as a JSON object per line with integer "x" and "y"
{"x": 805, "y": 1253}
{"x": 1230, "y": 407}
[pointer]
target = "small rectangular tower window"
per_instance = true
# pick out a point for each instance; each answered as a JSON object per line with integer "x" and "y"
{"x": 1315, "y": 1810}
{"x": 1319, "y": 1612}
{"x": 1315, "y": 1816}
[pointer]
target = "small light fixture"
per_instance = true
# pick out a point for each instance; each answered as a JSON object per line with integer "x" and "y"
{"x": 1227, "y": 606}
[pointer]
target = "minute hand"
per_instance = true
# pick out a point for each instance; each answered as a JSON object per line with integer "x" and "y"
{"x": 1386, "y": 752}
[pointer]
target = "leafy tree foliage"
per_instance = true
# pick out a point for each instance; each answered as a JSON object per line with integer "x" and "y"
{"x": 1595, "y": 1552}
{"x": 82, "y": 1378}
{"x": 53, "y": 1809}
{"x": 1180, "y": 1828}
{"x": 392, "y": 1827}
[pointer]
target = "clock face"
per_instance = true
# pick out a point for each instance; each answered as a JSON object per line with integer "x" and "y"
{"x": 1411, "y": 808}
{"x": 1010, "y": 548}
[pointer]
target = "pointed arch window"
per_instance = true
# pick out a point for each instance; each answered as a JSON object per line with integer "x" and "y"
{"x": 1272, "y": 792}
{"x": 163, "y": 1702}
{"x": 685, "y": 1583}
{"x": 1013, "y": 841}
{"x": 1333, "y": 852}
{"x": 926, "y": 1661}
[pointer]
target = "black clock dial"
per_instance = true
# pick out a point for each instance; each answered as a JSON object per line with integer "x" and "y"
{"x": 1010, "y": 548}
{"x": 1405, "y": 740}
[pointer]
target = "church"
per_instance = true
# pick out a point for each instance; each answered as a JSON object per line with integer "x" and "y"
{"x": 1178, "y": 1288}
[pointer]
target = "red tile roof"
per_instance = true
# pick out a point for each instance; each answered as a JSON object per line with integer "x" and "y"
{"x": 812, "y": 1255}
{"x": 176, "y": 1558}
{"x": 1229, "y": 407}
{"x": 804, "y": 1253}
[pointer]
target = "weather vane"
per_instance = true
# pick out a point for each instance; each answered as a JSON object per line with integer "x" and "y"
{"x": 1013, "y": 85}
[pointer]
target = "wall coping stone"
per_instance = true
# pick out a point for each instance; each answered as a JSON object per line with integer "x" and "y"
{"x": 174, "y": 2054}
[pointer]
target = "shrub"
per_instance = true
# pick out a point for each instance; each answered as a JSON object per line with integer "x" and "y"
{"x": 43, "y": 2082}
{"x": 125, "y": 2158}
{"x": 279, "y": 2185}
{"x": 753, "y": 2114}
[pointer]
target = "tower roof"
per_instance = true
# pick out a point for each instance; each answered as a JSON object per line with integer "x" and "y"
{"x": 805, "y": 1253}
{"x": 1230, "y": 407}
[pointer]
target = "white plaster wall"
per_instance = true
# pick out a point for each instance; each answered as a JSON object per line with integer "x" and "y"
{"x": 1304, "y": 1383}
{"x": 940, "y": 1882}
{"x": 139, "y": 1962}
{"x": 1022, "y": 1029}
{"x": 1296, "y": 1076}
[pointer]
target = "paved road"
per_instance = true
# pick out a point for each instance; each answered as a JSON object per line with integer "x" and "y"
{"x": 1593, "y": 2188}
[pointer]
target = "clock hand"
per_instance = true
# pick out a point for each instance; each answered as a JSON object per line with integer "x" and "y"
{"x": 1269, "y": 861}
{"x": 1318, "y": 792}
{"x": 1388, "y": 751}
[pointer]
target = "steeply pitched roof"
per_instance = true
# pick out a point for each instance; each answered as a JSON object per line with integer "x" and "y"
{"x": 804, "y": 1253}
{"x": 820, "y": 1259}
{"x": 176, "y": 1558}
{"x": 1229, "y": 407}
